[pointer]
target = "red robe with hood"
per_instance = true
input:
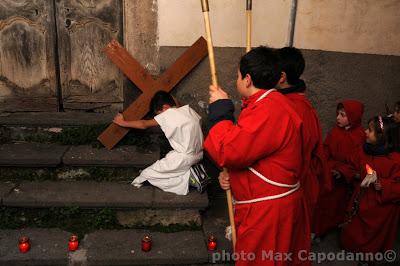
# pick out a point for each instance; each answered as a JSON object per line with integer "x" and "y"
{"x": 339, "y": 143}
{"x": 267, "y": 138}
{"x": 315, "y": 175}
{"x": 374, "y": 227}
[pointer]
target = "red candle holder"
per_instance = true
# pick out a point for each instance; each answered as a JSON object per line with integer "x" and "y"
{"x": 73, "y": 243}
{"x": 24, "y": 244}
{"x": 212, "y": 243}
{"x": 146, "y": 243}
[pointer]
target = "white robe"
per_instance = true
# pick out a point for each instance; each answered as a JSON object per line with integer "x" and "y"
{"x": 182, "y": 128}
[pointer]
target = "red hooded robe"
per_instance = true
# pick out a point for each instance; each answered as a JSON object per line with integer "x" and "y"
{"x": 266, "y": 137}
{"x": 339, "y": 143}
{"x": 374, "y": 227}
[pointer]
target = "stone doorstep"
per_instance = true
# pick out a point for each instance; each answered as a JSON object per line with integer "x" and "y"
{"x": 52, "y": 155}
{"x": 108, "y": 247}
{"x": 123, "y": 247}
{"x": 99, "y": 194}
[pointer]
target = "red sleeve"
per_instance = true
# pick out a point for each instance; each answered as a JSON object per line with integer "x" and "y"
{"x": 259, "y": 132}
{"x": 319, "y": 161}
{"x": 320, "y": 167}
{"x": 390, "y": 188}
{"x": 347, "y": 171}
{"x": 353, "y": 160}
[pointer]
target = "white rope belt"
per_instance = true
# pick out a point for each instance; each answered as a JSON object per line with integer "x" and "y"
{"x": 294, "y": 188}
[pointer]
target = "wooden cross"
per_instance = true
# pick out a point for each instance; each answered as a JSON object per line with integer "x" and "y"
{"x": 145, "y": 82}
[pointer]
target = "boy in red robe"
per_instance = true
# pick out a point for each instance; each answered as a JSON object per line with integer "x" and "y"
{"x": 262, "y": 153}
{"x": 314, "y": 174}
{"x": 374, "y": 216}
{"x": 342, "y": 140}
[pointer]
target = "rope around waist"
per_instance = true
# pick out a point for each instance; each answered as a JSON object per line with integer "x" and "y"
{"x": 293, "y": 187}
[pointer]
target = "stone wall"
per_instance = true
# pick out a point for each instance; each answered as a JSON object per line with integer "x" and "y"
{"x": 330, "y": 77}
{"x": 356, "y": 26}
{"x": 71, "y": 71}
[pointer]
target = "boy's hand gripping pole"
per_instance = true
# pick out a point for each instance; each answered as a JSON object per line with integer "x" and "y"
{"x": 249, "y": 4}
{"x": 205, "y": 8}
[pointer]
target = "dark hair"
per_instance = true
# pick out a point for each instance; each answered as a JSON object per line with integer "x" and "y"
{"x": 263, "y": 65}
{"x": 397, "y": 106}
{"x": 293, "y": 63}
{"x": 389, "y": 135}
{"x": 339, "y": 107}
{"x": 393, "y": 135}
{"x": 159, "y": 99}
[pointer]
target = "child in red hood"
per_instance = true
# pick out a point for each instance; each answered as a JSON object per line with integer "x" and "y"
{"x": 373, "y": 213}
{"x": 341, "y": 141}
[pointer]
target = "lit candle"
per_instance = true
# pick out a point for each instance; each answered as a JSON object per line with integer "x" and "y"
{"x": 369, "y": 169}
{"x": 146, "y": 243}
{"x": 24, "y": 244}
{"x": 73, "y": 243}
{"x": 212, "y": 243}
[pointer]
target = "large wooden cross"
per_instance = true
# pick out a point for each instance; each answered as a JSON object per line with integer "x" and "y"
{"x": 145, "y": 82}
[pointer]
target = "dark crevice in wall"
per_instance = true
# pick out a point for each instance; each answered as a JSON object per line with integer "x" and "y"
{"x": 57, "y": 62}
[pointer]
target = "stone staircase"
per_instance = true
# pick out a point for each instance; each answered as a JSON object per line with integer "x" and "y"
{"x": 40, "y": 179}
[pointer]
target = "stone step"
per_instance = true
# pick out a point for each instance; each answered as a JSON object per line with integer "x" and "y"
{"x": 53, "y": 155}
{"x": 48, "y": 247}
{"x": 105, "y": 247}
{"x": 31, "y": 154}
{"x": 90, "y": 194}
{"x": 123, "y": 247}
{"x": 5, "y": 189}
{"x": 54, "y": 119}
{"x": 71, "y": 127}
{"x": 124, "y": 156}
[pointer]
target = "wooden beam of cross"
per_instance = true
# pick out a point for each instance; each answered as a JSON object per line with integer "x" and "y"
{"x": 145, "y": 82}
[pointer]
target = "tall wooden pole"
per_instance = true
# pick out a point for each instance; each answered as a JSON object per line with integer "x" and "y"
{"x": 248, "y": 23}
{"x": 292, "y": 23}
{"x": 205, "y": 8}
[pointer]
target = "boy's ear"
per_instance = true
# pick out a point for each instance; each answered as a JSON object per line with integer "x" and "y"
{"x": 165, "y": 107}
{"x": 248, "y": 80}
{"x": 283, "y": 78}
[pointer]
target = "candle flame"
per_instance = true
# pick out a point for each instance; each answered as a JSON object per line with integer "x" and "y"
{"x": 369, "y": 169}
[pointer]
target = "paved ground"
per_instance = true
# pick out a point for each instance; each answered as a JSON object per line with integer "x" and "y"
{"x": 103, "y": 247}
{"x": 216, "y": 219}
{"x": 123, "y": 247}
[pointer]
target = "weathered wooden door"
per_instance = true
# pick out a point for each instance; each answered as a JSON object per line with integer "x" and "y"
{"x": 89, "y": 80}
{"x": 28, "y": 80}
